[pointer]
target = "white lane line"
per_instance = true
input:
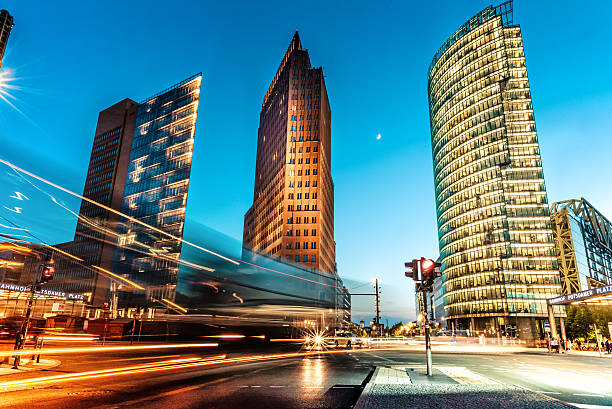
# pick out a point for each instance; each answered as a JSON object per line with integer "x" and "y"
{"x": 344, "y": 387}
{"x": 255, "y": 386}
{"x": 522, "y": 387}
{"x": 277, "y": 386}
{"x": 586, "y": 406}
{"x": 589, "y": 394}
{"x": 549, "y": 393}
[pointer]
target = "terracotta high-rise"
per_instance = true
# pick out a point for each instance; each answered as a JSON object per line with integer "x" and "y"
{"x": 292, "y": 216}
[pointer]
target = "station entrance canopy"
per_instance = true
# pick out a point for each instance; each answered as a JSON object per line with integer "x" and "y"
{"x": 595, "y": 296}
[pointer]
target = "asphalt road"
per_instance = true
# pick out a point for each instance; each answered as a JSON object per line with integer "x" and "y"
{"x": 199, "y": 378}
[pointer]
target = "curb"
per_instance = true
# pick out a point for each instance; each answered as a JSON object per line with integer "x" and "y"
{"x": 365, "y": 394}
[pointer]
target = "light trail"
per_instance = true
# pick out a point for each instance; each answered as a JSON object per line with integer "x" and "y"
{"x": 175, "y": 305}
{"x": 63, "y": 189}
{"x": 286, "y": 274}
{"x": 185, "y": 363}
{"x": 149, "y": 367}
{"x": 117, "y": 276}
{"x": 57, "y": 351}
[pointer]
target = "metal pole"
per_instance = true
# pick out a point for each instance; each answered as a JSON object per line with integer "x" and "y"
{"x": 105, "y": 324}
{"x": 377, "y": 309}
{"x": 427, "y": 340}
{"x": 22, "y": 335}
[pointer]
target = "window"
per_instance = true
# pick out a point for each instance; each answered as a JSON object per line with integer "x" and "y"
{"x": 289, "y": 232}
{"x": 313, "y": 259}
{"x": 305, "y": 258}
{"x": 297, "y": 233}
{"x": 314, "y": 219}
{"x": 306, "y": 195}
{"x": 306, "y": 220}
{"x": 314, "y": 196}
{"x": 297, "y": 245}
{"x": 305, "y": 232}
{"x": 314, "y": 232}
{"x": 313, "y": 245}
{"x": 288, "y": 246}
{"x": 297, "y": 259}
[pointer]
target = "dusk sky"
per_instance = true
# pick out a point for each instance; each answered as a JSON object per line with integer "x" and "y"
{"x": 74, "y": 59}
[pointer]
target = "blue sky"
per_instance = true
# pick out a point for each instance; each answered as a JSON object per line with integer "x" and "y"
{"x": 74, "y": 59}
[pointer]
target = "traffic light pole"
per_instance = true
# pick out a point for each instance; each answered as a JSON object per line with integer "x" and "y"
{"x": 427, "y": 336}
{"x": 23, "y": 331}
{"x": 377, "y": 309}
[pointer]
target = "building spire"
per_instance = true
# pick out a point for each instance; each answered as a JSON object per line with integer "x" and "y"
{"x": 296, "y": 44}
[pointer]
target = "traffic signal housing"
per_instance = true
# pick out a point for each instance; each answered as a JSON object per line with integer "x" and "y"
{"x": 429, "y": 271}
{"x": 412, "y": 269}
{"x": 47, "y": 273}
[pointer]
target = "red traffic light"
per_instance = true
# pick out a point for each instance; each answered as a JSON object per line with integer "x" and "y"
{"x": 47, "y": 273}
{"x": 427, "y": 265}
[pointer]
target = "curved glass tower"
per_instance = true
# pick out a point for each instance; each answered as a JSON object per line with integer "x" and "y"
{"x": 495, "y": 237}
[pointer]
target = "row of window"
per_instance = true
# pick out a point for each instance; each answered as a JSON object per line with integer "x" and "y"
{"x": 298, "y": 208}
{"x": 303, "y": 161}
{"x": 298, "y": 220}
{"x": 296, "y": 245}
{"x": 313, "y": 232}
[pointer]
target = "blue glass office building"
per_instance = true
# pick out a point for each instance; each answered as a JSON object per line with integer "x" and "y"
{"x": 156, "y": 189}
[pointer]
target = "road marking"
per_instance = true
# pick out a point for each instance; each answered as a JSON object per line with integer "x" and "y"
{"x": 255, "y": 386}
{"x": 586, "y": 406}
{"x": 522, "y": 387}
{"x": 312, "y": 387}
{"x": 344, "y": 387}
{"x": 277, "y": 386}
{"x": 549, "y": 393}
{"x": 589, "y": 394}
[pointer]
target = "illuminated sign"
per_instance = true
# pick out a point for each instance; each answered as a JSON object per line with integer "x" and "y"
{"x": 565, "y": 299}
{"x": 21, "y": 288}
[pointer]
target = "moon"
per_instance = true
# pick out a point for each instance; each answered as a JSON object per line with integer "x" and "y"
{"x": 378, "y": 137}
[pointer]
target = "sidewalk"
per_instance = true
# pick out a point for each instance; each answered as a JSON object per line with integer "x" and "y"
{"x": 450, "y": 387}
{"x": 28, "y": 365}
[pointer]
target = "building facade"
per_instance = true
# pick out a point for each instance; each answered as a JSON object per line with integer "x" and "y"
{"x": 96, "y": 231}
{"x": 155, "y": 195}
{"x": 495, "y": 237}
{"x": 292, "y": 216}
{"x": 583, "y": 242}
{"x": 6, "y": 25}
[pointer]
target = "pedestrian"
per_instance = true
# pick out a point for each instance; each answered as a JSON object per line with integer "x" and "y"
{"x": 578, "y": 344}
{"x": 607, "y": 349}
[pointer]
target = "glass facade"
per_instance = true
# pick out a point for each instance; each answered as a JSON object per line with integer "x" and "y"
{"x": 496, "y": 244}
{"x": 156, "y": 189}
{"x": 583, "y": 241}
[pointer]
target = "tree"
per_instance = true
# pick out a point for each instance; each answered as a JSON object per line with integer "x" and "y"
{"x": 580, "y": 318}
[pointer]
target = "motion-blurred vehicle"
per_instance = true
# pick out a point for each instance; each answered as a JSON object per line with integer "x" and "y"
{"x": 347, "y": 340}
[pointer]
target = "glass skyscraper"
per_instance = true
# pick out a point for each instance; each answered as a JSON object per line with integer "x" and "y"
{"x": 156, "y": 189}
{"x": 495, "y": 237}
